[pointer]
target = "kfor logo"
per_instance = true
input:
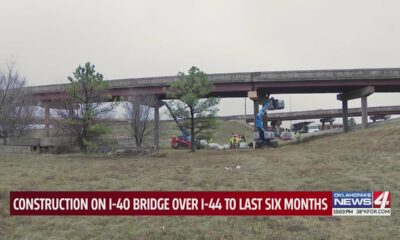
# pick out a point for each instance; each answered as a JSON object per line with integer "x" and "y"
{"x": 361, "y": 203}
{"x": 381, "y": 199}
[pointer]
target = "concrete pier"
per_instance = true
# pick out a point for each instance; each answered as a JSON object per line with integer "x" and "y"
{"x": 157, "y": 126}
{"x": 47, "y": 119}
{"x": 345, "y": 116}
{"x": 364, "y": 112}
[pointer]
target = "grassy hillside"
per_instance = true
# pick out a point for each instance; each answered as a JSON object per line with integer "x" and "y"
{"x": 356, "y": 161}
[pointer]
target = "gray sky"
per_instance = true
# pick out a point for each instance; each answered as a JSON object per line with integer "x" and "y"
{"x": 50, "y": 38}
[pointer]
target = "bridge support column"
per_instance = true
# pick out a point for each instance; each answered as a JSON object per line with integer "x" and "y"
{"x": 47, "y": 119}
{"x": 157, "y": 126}
{"x": 245, "y": 111}
{"x": 256, "y": 109}
{"x": 345, "y": 116}
{"x": 362, "y": 93}
{"x": 325, "y": 120}
{"x": 364, "y": 113}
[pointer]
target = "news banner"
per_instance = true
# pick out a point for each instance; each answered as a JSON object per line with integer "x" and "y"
{"x": 188, "y": 203}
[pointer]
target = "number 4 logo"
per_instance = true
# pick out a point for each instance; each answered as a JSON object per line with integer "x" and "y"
{"x": 381, "y": 199}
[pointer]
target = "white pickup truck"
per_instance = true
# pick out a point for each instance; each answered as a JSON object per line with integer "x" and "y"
{"x": 313, "y": 127}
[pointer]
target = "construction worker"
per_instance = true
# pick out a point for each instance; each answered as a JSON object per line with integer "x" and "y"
{"x": 298, "y": 136}
{"x": 232, "y": 141}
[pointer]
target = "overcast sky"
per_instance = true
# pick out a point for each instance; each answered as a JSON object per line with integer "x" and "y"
{"x": 126, "y": 38}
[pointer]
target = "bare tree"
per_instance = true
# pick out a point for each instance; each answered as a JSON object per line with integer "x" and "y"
{"x": 71, "y": 121}
{"x": 138, "y": 110}
{"x": 15, "y": 113}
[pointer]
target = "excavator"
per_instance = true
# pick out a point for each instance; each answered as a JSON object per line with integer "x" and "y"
{"x": 264, "y": 137}
{"x": 183, "y": 141}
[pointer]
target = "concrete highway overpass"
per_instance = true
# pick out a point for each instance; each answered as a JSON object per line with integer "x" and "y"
{"x": 315, "y": 114}
{"x": 348, "y": 83}
{"x": 238, "y": 84}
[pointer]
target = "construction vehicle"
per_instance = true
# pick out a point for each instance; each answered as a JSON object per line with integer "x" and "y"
{"x": 183, "y": 141}
{"x": 264, "y": 137}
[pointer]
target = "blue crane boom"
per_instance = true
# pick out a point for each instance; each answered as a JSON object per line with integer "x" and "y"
{"x": 259, "y": 117}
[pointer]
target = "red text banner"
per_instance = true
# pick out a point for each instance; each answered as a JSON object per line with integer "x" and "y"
{"x": 172, "y": 203}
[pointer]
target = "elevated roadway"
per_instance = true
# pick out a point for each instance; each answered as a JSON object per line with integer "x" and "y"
{"x": 238, "y": 84}
{"x": 349, "y": 83}
{"x": 315, "y": 114}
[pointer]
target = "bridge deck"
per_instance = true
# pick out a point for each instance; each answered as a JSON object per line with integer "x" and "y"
{"x": 238, "y": 84}
{"x": 314, "y": 114}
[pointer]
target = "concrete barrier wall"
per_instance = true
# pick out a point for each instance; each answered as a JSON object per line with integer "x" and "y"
{"x": 23, "y": 141}
{"x": 42, "y": 142}
{"x": 14, "y": 149}
{"x": 55, "y": 141}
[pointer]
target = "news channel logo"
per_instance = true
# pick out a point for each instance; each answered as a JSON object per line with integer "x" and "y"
{"x": 361, "y": 203}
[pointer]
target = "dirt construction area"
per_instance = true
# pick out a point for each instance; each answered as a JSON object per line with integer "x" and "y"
{"x": 364, "y": 160}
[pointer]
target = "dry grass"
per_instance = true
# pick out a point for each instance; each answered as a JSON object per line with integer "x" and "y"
{"x": 362, "y": 160}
